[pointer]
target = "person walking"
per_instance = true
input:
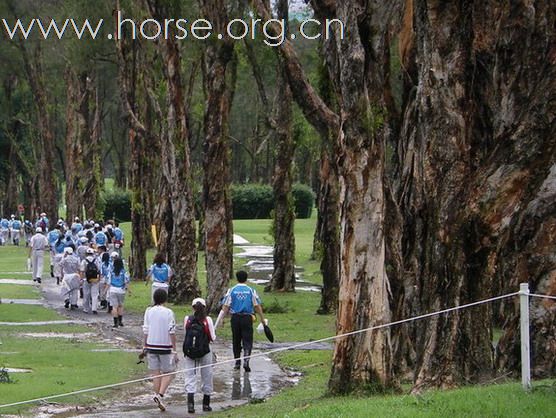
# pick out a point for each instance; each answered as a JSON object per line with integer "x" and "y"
{"x": 15, "y": 229}
{"x": 37, "y": 247}
{"x": 4, "y": 231}
{"x": 199, "y": 333}
{"x": 90, "y": 275}
{"x": 159, "y": 343}
{"x": 118, "y": 287}
{"x": 71, "y": 281}
{"x": 160, "y": 273}
{"x": 241, "y": 301}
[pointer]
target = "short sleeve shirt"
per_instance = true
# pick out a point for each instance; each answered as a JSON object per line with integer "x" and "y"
{"x": 241, "y": 299}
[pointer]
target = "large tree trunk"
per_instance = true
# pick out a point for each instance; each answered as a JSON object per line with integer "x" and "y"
{"x": 179, "y": 211}
{"x": 74, "y": 155}
{"x": 283, "y": 276}
{"x": 47, "y": 199}
{"x": 217, "y": 56}
{"x": 92, "y": 154}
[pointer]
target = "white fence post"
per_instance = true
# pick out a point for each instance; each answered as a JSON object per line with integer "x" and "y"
{"x": 525, "y": 349}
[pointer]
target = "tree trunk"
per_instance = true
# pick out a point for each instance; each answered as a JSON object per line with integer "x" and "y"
{"x": 180, "y": 232}
{"x": 283, "y": 276}
{"x": 217, "y": 56}
{"x": 74, "y": 155}
{"x": 93, "y": 152}
{"x": 47, "y": 183}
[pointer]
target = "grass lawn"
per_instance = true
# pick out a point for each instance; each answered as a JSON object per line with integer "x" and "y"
{"x": 27, "y": 313}
{"x": 13, "y": 291}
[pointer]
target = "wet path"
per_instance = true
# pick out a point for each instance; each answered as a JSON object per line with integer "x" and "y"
{"x": 231, "y": 388}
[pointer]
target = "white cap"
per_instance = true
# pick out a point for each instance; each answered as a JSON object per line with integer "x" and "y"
{"x": 76, "y": 218}
{"x": 108, "y": 226}
{"x": 43, "y": 214}
{"x": 68, "y": 250}
{"x": 39, "y": 229}
{"x": 198, "y": 300}
{"x": 90, "y": 251}
{"x": 13, "y": 216}
{"x": 83, "y": 240}
{"x": 97, "y": 226}
{"x": 114, "y": 254}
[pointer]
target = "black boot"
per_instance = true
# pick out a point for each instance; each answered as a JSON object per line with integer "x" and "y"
{"x": 52, "y": 271}
{"x": 120, "y": 317}
{"x": 237, "y": 366}
{"x": 206, "y": 403}
{"x": 191, "y": 403}
{"x": 115, "y": 323}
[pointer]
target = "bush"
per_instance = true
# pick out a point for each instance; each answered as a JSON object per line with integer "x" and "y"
{"x": 303, "y": 198}
{"x": 252, "y": 201}
{"x": 256, "y": 201}
{"x": 117, "y": 204}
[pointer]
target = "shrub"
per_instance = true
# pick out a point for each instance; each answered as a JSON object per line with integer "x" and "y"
{"x": 256, "y": 201}
{"x": 117, "y": 204}
{"x": 303, "y": 198}
{"x": 252, "y": 201}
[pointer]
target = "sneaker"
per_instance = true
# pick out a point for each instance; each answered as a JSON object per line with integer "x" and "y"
{"x": 95, "y": 313}
{"x": 85, "y": 311}
{"x": 237, "y": 366}
{"x": 67, "y": 304}
{"x": 246, "y": 368}
{"x": 159, "y": 403}
{"x": 74, "y": 307}
{"x": 115, "y": 326}
{"x": 39, "y": 281}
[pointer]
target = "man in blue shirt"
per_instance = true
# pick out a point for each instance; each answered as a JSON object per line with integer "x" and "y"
{"x": 242, "y": 302}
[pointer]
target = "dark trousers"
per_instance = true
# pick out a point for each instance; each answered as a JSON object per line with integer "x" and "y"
{"x": 242, "y": 334}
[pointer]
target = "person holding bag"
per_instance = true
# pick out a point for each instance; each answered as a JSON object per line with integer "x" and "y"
{"x": 199, "y": 333}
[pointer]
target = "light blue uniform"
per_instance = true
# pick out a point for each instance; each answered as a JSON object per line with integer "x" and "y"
{"x": 241, "y": 299}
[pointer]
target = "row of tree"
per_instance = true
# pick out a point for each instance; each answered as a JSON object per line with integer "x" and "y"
{"x": 435, "y": 162}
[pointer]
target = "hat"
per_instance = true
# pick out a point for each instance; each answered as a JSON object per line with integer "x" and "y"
{"x": 114, "y": 254}
{"x": 13, "y": 216}
{"x": 39, "y": 229}
{"x": 68, "y": 250}
{"x": 198, "y": 300}
{"x": 43, "y": 214}
{"x": 90, "y": 251}
{"x": 83, "y": 240}
{"x": 76, "y": 218}
{"x": 108, "y": 226}
{"x": 97, "y": 226}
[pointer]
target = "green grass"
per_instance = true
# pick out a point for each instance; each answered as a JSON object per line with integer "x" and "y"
{"x": 13, "y": 291}
{"x": 60, "y": 365}
{"x": 27, "y": 313}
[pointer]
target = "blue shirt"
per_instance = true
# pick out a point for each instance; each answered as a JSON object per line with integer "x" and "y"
{"x": 119, "y": 280}
{"x": 5, "y": 224}
{"x": 241, "y": 299}
{"x": 161, "y": 273}
{"x": 16, "y": 225}
{"x": 53, "y": 236}
{"x": 100, "y": 238}
{"x": 118, "y": 234}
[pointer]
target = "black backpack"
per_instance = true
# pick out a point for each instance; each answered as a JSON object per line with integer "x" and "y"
{"x": 91, "y": 271}
{"x": 196, "y": 343}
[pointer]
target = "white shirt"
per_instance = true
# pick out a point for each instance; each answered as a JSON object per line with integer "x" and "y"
{"x": 38, "y": 242}
{"x": 159, "y": 322}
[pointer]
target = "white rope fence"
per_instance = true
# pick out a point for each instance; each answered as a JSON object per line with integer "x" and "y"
{"x": 301, "y": 345}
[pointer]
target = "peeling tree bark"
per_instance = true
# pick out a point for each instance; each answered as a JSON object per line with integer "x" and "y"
{"x": 217, "y": 55}
{"x": 283, "y": 276}
{"x": 178, "y": 212}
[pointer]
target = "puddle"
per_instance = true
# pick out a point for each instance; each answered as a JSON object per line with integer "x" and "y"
{"x": 239, "y": 240}
{"x": 17, "y": 281}
{"x": 14, "y": 370}
{"x": 255, "y": 251}
{"x": 22, "y": 301}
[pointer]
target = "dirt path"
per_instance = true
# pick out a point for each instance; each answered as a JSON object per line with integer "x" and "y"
{"x": 231, "y": 388}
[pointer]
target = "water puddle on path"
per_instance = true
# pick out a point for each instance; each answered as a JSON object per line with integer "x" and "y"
{"x": 21, "y": 301}
{"x": 18, "y": 281}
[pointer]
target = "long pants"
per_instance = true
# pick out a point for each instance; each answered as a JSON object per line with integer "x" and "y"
{"x": 192, "y": 367}
{"x": 5, "y": 236}
{"x": 37, "y": 259}
{"x": 70, "y": 287}
{"x": 90, "y": 296}
{"x": 242, "y": 335}
{"x": 57, "y": 267}
{"x": 15, "y": 236}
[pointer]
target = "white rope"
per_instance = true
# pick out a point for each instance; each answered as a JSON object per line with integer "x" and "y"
{"x": 274, "y": 351}
{"x": 536, "y": 295}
